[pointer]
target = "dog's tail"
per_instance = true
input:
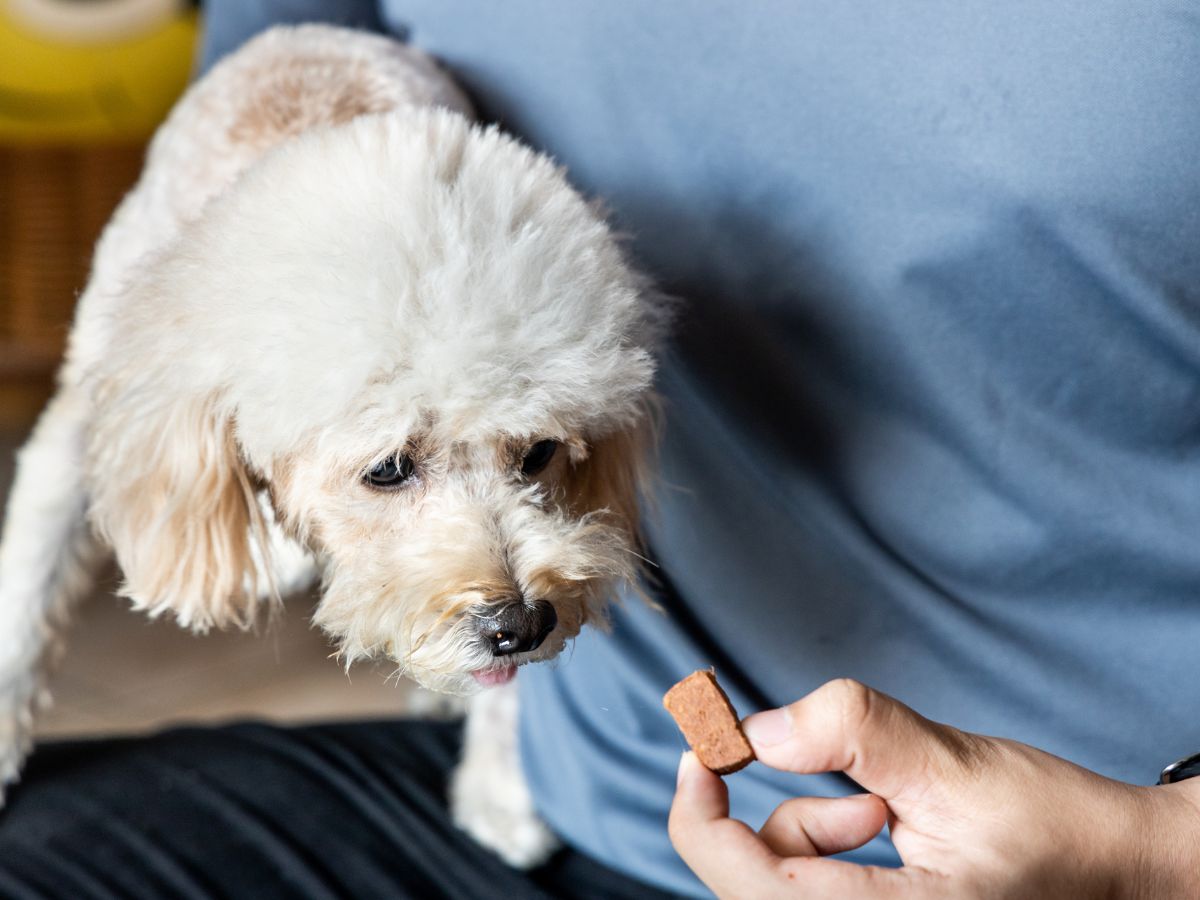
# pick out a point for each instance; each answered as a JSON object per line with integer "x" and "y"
{"x": 47, "y": 561}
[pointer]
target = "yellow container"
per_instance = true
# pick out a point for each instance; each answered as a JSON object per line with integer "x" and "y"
{"x": 73, "y": 70}
{"x": 83, "y": 83}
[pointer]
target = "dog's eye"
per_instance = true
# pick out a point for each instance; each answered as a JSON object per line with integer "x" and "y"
{"x": 538, "y": 457}
{"x": 392, "y": 472}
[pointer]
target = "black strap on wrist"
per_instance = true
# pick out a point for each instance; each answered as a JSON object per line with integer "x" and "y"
{"x": 1188, "y": 767}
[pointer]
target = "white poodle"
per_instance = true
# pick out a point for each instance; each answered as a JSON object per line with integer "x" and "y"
{"x": 338, "y": 328}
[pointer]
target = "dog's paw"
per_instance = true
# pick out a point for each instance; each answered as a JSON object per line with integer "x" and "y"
{"x": 524, "y": 842}
{"x": 501, "y": 818}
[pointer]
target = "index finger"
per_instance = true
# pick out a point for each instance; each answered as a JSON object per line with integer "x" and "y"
{"x": 723, "y": 852}
{"x": 733, "y": 860}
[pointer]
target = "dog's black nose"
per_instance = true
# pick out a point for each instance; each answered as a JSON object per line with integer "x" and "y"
{"x": 517, "y": 627}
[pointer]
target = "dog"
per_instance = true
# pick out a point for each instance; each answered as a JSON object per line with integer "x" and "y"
{"x": 338, "y": 330}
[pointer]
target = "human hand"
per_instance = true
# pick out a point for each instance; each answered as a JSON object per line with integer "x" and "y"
{"x": 970, "y": 816}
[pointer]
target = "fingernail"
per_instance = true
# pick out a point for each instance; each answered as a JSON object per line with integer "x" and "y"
{"x": 768, "y": 728}
{"x": 684, "y": 765}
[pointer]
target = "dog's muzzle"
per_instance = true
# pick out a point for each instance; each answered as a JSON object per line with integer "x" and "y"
{"x": 518, "y": 627}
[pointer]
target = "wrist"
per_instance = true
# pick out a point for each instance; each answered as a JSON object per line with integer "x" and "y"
{"x": 1170, "y": 839}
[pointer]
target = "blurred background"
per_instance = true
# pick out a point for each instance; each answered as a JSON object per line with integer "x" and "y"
{"x": 83, "y": 84}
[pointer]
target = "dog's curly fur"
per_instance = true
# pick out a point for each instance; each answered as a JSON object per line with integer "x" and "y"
{"x": 325, "y": 265}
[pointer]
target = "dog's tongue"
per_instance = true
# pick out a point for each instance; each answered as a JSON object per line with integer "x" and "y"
{"x": 494, "y": 677}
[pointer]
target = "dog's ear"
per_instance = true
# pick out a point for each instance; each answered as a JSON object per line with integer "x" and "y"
{"x": 613, "y": 479}
{"x": 172, "y": 495}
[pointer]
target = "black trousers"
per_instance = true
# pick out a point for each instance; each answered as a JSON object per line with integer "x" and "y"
{"x": 256, "y": 811}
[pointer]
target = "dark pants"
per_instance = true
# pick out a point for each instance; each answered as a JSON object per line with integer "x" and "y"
{"x": 354, "y": 810}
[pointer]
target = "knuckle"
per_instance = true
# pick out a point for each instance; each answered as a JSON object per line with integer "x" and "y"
{"x": 853, "y": 701}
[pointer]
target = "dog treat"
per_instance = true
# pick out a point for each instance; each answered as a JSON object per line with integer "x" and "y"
{"x": 709, "y": 722}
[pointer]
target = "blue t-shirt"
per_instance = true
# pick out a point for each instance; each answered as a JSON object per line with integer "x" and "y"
{"x": 933, "y": 411}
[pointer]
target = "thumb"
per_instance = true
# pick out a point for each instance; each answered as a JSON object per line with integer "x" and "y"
{"x": 845, "y": 726}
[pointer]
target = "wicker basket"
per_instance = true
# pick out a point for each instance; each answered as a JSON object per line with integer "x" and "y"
{"x": 54, "y": 201}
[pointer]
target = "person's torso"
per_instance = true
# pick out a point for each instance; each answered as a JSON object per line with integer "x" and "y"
{"x": 933, "y": 412}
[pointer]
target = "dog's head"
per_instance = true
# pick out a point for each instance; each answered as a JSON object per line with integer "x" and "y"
{"x": 410, "y": 345}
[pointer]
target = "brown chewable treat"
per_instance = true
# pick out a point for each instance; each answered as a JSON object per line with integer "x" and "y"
{"x": 709, "y": 722}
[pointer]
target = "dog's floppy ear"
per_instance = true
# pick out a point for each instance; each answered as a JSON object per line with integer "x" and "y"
{"x": 613, "y": 479}
{"x": 172, "y": 495}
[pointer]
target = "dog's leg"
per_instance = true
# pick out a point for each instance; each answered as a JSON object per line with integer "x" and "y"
{"x": 47, "y": 561}
{"x": 489, "y": 798}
